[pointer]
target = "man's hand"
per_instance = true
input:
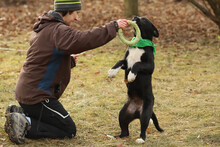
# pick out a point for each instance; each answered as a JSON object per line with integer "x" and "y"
{"x": 122, "y": 23}
{"x": 75, "y": 56}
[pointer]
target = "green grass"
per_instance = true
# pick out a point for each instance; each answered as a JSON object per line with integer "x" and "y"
{"x": 186, "y": 85}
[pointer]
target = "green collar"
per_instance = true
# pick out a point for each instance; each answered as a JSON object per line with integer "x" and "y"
{"x": 143, "y": 43}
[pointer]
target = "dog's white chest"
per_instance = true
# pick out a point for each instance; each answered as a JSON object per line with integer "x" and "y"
{"x": 134, "y": 56}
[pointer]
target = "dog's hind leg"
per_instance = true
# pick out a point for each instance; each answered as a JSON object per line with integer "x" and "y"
{"x": 144, "y": 120}
{"x": 125, "y": 117}
{"x": 155, "y": 121}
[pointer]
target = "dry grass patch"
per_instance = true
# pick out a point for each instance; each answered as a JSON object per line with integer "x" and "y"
{"x": 186, "y": 84}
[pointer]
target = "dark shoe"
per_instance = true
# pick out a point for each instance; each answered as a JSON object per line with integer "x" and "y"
{"x": 18, "y": 126}
{"x": 10, "y": 109}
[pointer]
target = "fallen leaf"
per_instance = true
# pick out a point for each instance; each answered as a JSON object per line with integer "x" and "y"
{"x": 98, "y": 72}
{"x": 149, "y": 131}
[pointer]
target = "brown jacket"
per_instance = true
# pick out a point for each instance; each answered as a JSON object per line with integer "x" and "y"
{"x": 46, "y": 71}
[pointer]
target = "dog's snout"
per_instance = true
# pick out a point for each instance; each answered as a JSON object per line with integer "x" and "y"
{"x": 135, "y": 18}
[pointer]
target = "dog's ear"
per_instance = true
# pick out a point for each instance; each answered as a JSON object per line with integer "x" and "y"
{"x": 152, "y": 27}
{"x": 156, "y": 32}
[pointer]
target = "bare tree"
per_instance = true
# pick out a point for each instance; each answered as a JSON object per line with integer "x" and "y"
{"x": 131, "y": 7}
{"x": 210, "y": 8}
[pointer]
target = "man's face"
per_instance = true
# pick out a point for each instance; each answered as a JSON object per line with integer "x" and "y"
{"x": 69, "y": 18}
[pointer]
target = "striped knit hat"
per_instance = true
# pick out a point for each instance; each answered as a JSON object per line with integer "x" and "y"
{"x": 67, "y": 5}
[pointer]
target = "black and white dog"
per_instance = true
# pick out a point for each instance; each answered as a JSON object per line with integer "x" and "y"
{"x": 138, "y": 64}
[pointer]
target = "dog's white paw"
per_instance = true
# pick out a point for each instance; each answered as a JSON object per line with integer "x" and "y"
{"x": 113, "y": 72}
{"x": 151, "y": 121}
{"x": 111, "y": 137}
{"x": 131, "y": 77}
{"x": 140, "y": 141}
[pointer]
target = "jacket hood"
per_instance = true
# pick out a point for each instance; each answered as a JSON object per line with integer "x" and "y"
{"x": 43, "y": 20}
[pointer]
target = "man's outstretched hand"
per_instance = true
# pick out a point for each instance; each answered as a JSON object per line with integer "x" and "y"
{"x": 122, "y": 23}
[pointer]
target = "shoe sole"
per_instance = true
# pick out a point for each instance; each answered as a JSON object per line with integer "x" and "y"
{"x": 12, "y": 132}
{"x": 6, "y": 126}
{"x": 10, "y": 109}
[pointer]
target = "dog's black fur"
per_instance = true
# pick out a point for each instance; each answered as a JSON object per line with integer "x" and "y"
{"x": 138, "y": 64}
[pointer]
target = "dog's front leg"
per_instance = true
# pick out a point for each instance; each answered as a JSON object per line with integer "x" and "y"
{"x": 140, "y": 67}
{"x": 133, "y": 72}
{"x": 114, "y": 70}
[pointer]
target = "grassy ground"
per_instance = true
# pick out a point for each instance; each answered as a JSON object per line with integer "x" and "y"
{"x": 186, "y": 85}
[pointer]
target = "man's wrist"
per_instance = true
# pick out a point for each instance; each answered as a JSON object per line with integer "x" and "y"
{"x": 116, "y": 25}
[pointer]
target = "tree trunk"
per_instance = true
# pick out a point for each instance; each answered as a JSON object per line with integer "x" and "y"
{"x": 131, "y": 7}
{"x": 219, "y": 29}
{"x": 215, "y": 5}
{"x": 213, "y": 14}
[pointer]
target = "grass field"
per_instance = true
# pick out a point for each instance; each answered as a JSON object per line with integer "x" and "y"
{"x": 186, "y": 85}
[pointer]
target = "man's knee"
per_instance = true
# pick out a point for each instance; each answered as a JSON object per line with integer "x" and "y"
{"x": 71, "y": 130}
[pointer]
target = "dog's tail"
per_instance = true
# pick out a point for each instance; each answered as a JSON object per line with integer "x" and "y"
{"x": 155, "y": 121}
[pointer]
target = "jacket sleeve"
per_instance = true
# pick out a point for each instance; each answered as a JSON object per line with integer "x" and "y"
{"x": 74, "y": 41}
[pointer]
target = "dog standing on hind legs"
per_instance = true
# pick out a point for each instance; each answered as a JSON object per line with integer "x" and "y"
{"x": 138, "y": 64}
